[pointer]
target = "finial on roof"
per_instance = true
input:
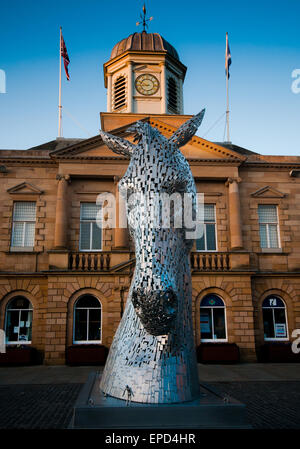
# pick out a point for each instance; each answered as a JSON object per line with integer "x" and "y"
{"x": 143, "y": 19}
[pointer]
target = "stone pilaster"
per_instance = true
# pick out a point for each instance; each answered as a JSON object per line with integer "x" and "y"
{"x": 109, "y": 92}
{"x": 121, "y": 234}
{"x": 130, "y": 88}
{"x": 61, "y": 217}
{"x": 236, "y": 240}
{"x": 163, "y": 87}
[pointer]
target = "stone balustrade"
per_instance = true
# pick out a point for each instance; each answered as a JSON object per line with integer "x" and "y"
{"x": 84, "y": 261}
{"x": 210, "y": 261}
{"x": 220, "y": 261}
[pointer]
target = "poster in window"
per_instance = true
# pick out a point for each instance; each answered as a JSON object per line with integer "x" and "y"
{"x": 280, "y": 330}
{"x": 205, "y": 326}
{"x": 23, "y": 337}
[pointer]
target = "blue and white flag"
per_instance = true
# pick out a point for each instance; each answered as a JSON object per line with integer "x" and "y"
{"x": 227, "y": 58}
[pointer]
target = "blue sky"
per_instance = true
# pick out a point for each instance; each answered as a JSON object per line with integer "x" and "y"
{"x": 265, "y": 47}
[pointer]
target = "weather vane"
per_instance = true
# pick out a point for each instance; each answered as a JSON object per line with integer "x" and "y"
{"x": 144, "y": 20}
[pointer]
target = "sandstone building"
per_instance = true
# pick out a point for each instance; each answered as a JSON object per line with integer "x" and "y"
{"x": 64, "y": 282}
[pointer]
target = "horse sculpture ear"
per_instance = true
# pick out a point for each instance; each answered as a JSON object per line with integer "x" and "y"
{"x": 117, "y": 144}
{"x": 186, "y": 131}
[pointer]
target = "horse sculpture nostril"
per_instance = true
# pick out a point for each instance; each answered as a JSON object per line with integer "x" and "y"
{"x": 157, "y": 310}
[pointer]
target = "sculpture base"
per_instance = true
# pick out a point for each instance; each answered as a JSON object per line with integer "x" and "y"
{"x": 93, "y": 410}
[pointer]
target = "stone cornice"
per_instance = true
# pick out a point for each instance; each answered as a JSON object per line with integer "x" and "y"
{"x": 29, "y": 160}
{"x": 194, "y": 161}
{"x": 270, "y": 164}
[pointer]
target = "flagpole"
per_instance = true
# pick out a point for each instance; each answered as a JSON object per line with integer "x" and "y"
{"x": 59, "y": 96}
{"x": 227, "y": 92}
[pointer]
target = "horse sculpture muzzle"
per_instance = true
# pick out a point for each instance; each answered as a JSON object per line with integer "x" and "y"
{"x": 157, "y": 310}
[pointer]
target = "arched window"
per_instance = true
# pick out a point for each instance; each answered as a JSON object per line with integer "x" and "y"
{"x": 212, "y": 319}
{"x": 87, "y": 320}
{"x": 120, "y": 93}
{"x": 172, "y": 95}
{"x": 18, "y": 321}
{"x": 274, "y": 317}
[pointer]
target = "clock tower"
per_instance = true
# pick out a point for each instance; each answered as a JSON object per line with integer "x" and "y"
{"x": 144, "y": 75}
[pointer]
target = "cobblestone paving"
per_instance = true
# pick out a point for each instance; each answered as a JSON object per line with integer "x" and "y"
{"x": 270, "y": 405}
{"x": 37, "y": 406}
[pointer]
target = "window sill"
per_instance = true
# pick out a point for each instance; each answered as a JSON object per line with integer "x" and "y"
{"x": 214, "y": 341}
{"x": 26, "y": 250}
{"x": 206, "y": 250}
{"x": 90, "y": 251}
{"x": 271, "y": 250}
{"x": 274, "y": 340}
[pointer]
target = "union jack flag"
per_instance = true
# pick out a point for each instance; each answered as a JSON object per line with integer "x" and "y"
{"x": 227, "y": 58}
{"x": 64, "y": 55}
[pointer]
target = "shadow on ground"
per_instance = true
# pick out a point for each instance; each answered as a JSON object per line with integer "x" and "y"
{"x": 270, "y": 405}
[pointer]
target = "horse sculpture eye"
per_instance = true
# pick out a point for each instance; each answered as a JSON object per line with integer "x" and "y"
{"x": 175, "y": 186}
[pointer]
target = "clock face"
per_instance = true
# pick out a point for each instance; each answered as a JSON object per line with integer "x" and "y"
{"x": 147, "y": 84}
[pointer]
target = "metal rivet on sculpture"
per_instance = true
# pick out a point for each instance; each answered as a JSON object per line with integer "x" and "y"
{"x": 153, "y": 350}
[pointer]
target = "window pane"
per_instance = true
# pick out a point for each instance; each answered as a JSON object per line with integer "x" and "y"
{"x": 24, "y": 211}
{"x": 209, "y": 212}
{"x": 89, "y": 211}
{"x": 94, "y": 324}
{"x": 205, "y": 324}
{"x": 85, "y": 230}
{"x": 263, "y": 236}
{"x": 88, "y": 301}
{"x": 80, "y": 325}
{"x": 273, "y": 236}
{"x": 17, "y": 234}
{"x": 210, "y": 237}
{"x": 29, "y": 234}
{"x": 212, "y": 301}
{"x": 273, "y": 301}
{"x": 268, "y": 323}
{"x": 12, "y": 326}
{"x": 267, "y": 213}
{"x": 219, "y": 323}
{"x": 280, "y": 323}
{"x": 96, "y": 237}
{"x": 200, "y": 243}
{"x": 279, "y": 315}
{"x": 19, "y": 303}
{"x": 25, "y": 326}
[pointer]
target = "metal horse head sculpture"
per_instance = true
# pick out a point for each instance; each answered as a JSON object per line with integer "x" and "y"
{"x": 153, "y": 349}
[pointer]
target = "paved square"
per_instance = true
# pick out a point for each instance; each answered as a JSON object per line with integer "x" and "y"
{"x": 42, "y": 397}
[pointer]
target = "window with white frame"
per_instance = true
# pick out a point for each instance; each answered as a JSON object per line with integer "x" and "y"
{"x": 90, "y": 232}
{"x": 212, "y": 319}
{"x": 208, "y": 241}
{"x": 268, "y": 226}
{"x": 18, "y": 321}
{"x": 87, "y": 320}
{"x": 274, "y": 318}
{"x": 23, "y": 228}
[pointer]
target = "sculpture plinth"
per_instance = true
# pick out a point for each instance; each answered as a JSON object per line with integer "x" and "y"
{"x": 94, "y": 410}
